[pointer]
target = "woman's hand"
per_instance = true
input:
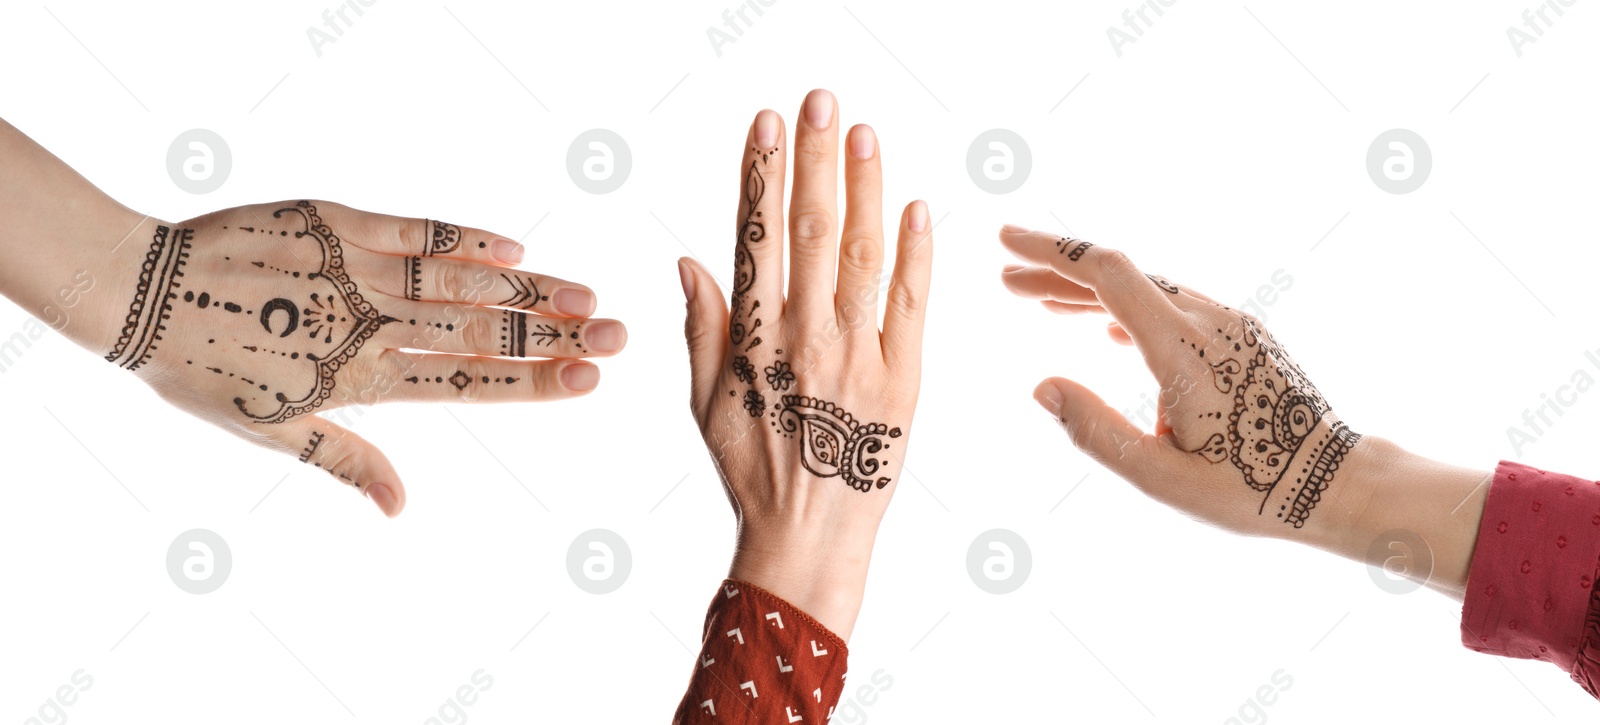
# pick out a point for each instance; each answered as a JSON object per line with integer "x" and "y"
{"x": 805, "y": 405}
{"x": 1243, "y": 440}
{"x": 258, "y": 317}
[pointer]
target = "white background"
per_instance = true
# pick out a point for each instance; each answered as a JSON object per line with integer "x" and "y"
{"x": 1207, "y": 150}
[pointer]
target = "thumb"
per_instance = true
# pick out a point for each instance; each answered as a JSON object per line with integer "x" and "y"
{"x": 349, "y": 458}
{"x": 1098, "y": 429}
{"x": 706, "y": 330}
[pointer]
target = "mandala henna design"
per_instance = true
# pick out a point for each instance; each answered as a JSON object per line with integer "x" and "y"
{"x": 152, "y": 300}
{"x": 1281, "y": 433}
{"x": 443, "y": 239}
{"x": 340, "y": 323}
{"x": 832, "y": 443}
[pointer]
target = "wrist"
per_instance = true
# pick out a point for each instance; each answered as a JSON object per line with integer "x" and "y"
{"x": 820, "y": 570}
{"x": 1412, "y": 515}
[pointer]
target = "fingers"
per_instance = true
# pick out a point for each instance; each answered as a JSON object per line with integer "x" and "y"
{"x": 347, "y": 457}
{"x": 503, "y": 333}
{"x": 1042, "y": 283}
{"x": 1063, "y": 308}
{"x": 1118, "y": 335}
{"x": 473, "y": 379}
{"x": 409, "y": 237}
{"x": 758, "y": 253}
{"x": 861, "y": 242}
{"x": 907, "y": 306}
{"x": 813, "y": 210}
{"x": 703, "y": 328}
{"x": 1119, "y": 286}
{"x": 433, "y": 279}
{"x": 1103, "y": 433}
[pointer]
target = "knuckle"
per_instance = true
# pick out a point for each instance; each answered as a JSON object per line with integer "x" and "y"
{"x": 480, "y": 333}
{"x": 450, "y": 281}
{"x": 862, "y": 251}
{"x": 1114, "y": 263}
{"x": 811, "y": 224}
{"x": 906, "y": 300}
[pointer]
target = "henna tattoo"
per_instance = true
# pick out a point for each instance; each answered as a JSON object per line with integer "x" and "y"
{"x": 1076, "y": 250}
{"x": 515, "y": 335}
{"x": 525, "y": 294}
{"x": 344, "y": 311}
{"x": 743, "y": 370}
{"x": 311, "y": 447}
{"x": 283, "y": 305}
{"x": 833, "y": 443}
{"x": 413, "y": 285}
{"x": 779, "y": 375}
{"x": 443, "y": 239}
{"x": 1165, "y": 286}
{"x": 754, "y": 403}
{"x": 152, "y": 299}
{"x": 460, "y": 379}
{"x": 1281, "y": 433}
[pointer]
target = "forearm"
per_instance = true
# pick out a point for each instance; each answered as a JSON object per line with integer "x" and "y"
{"x": 63, "y": 236}
{"x": 1381, "y": 489}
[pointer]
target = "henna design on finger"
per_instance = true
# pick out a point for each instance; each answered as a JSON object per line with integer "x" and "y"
{"x": 413, "y": 285}
{"x": 1076, "y": 250}
{"x": 1281, "y": 433}
{"x": 442, "y": 238}
{"x": 833, "y": 443}
{"x": 515, "y": 335}
{"x": 525, "y": 293}
{"x": 459, "y": 379}
{"x": 152, "y": 298}
{"x": 1166, "y": 286}
{"x": 312, "y": 446}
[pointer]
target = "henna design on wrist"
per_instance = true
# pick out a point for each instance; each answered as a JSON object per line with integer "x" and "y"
{"x": 832, "y": 443}
{"x": 152, "y": 299}
{"x": 442, "y": 238}
{"x": 341, "y": 317}
{"x": 526, "y": 293}
{"x": 1280, "y": 433}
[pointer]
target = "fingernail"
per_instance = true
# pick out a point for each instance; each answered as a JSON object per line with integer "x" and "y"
{"x": 863, "y": 142}
{"x": 1049, "y": 398}
{"x": 819, "y": 109}
{"x": 580, "y": 377}
{"x": 506, "y": 251}
{"x": 919, "y": 217}
{"x": 686, "y": 276}
{"x": 574, "y": 302}
{"x": 766, "y": 129}
{"x": 606, "y": 336}
{"x": 1012, "y": 229}
{"x": 383, "y": 496}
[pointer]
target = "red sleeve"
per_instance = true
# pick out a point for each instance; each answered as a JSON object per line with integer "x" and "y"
{"x": 1531, "y": 589}
{"x": 763, "y": 661}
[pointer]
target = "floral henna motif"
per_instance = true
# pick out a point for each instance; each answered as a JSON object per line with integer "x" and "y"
{"x": 832, "y": 443}
{"x": 442, "y": 238}
{"x": 1281, "y": 434}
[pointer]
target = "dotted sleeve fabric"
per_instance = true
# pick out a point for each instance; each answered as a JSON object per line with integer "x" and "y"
{"x": 763, "y": 661}
{"x": 1531, "y": 589}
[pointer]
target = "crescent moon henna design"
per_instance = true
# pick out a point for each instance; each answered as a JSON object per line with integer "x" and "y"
{"x": 832, "y": 443}
{"x": 1281, "y": 433}
{"x": 350, "y": 320}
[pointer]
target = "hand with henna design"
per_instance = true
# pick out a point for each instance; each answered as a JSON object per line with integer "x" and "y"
{"x": 1242, "y": 439}
{"x": 804, "y": 404}
{"x": 256, "y": 318}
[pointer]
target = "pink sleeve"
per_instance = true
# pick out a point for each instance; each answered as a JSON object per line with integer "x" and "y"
{"x": 1531, "y": 589}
